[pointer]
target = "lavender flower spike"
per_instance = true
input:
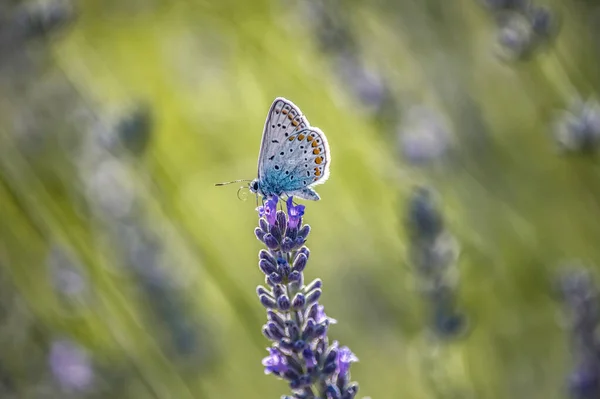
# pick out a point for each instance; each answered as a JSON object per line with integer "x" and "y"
{"x": 296, "y": 323}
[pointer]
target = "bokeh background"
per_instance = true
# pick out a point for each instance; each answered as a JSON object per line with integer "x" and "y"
{"x": 124, "y": 273}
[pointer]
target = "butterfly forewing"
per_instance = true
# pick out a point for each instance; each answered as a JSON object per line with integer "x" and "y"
{"x": 284, "y": 119}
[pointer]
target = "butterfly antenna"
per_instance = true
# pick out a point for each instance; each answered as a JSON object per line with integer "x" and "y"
{"x": 229, "y": 182}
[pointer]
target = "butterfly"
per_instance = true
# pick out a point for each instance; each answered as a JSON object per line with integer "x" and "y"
{"x": 294, "y": 156}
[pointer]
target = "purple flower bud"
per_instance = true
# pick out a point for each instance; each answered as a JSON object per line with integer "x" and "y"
{"x": 271, "y": 242}
{"x": 291, "y": 375}
{"x": 264, "y": 226}
{"x": 259, "y": 234}
{"x": 322, "y": 346}
{"x": 269, "y": 282}
{"x": 277, "y": 233}
{"x": 309, "y": 329}
{"x": 274, "y": 279}
{"x": 298, "y": 301}
{"x": 316, "y": 283}
{"x": 268, "y": 302}
{"x": 260, "y": 290}
{"x": 351, "y": 391}
{"x": 329, "y": 368}
{"x": 283, "y": 303}
{"x": 266, "y": 267}
{"x": 296, "y": 384}
{"x": 267, "y": 333}
{"x": 304, "y": 251}
{"x": 300, "y": 262}
{"x": 313, "y": 296}
{"x": 286, "y": 344}
{"x": 275, "y": 363}
{"x": 291, "y": 233}
{"x": 263, "y": 254}
{"x": 299, "y": 242}
{"x": 278, "y": 291}
{"x": 304, "y": 231}
{"x": 284, "y": 267}
{"x": 293, "y": 331}
{"x": 320, "y": 330}
{"x": 275, "y": 330}
{"x": 294, "y": 276}
{"x": 273, "y": 316}
{"x": 299, "y": 345}
{"x": 333, "y": 392}
{"x": 332, "y": 355}
{"x": 281, "y": 221}
{"x": 309, "y": 357}
{"x": 287, "y": 245}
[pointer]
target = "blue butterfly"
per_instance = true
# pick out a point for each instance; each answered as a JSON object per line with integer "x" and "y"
{"x": 294, "y": 156}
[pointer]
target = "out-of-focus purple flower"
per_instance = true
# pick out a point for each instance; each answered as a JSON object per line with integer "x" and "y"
{"x": 344, "y": 358}
{"x": 424, "y": 136}
{"x": 295, "y": 213}
{"x": 70, "y": 365}
{"x": 269, "y": 210}
{"x": 275, "y": 362}
{"x": 578, "y": 129}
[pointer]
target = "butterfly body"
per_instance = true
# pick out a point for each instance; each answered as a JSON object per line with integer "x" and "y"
{"x": 294, "y": 156}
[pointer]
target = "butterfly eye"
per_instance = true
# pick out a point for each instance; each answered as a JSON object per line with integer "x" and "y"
{"x": 255, "y": 186}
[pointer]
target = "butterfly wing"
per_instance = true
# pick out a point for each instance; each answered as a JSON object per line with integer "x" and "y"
{"x": 294, "y": 156}
{"x": 300, "y": 162}
{"x": 284, "y": 118}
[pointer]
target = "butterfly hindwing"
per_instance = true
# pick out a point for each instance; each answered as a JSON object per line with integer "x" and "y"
{"x": 301, "y": 161}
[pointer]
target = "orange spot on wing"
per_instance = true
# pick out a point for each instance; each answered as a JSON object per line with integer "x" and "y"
{"x": 301, "y": 137}
{"x": 291, "y": 138}
{"x": 290, "y": 116}
{"x": 318, "y": 160}
{"x": 317, "y": 172}
{"x": 295, "y": 123}
{"x": 309, "y": 138}
{"x": 284, "y": 111}
{"x": 314, "y": 144}
{"x": 316, "y": 151}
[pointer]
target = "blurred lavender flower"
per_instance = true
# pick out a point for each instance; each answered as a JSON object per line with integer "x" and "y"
{"x": 134, "y": 129}
{"x": 501, "y": 5}
{"x": 297, "y": 324}
{"x": 514, "y": 37}
{"x": 68, "y": 279}
{"x": 578, "y": 129}
{"x": 423, "y": 136}
{"x": 524, "y": 30}
{"x": 581, "y": 302}
{"x": 37, "y": 19}
{"x": 433, "y": 253}
{"x": 71, "y": 366}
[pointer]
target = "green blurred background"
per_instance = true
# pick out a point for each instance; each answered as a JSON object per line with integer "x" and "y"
{"x": 124, "y": 273}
